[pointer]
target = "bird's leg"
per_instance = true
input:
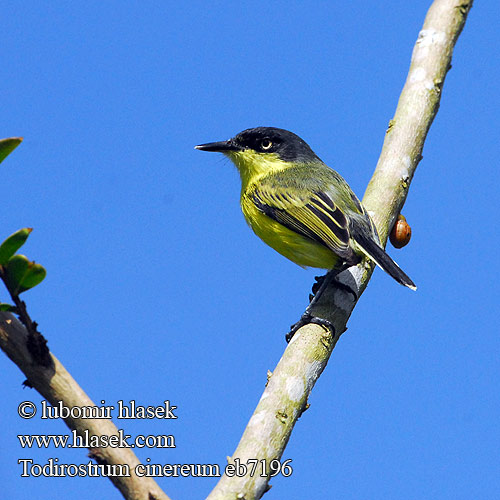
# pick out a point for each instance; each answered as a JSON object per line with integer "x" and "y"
{"x": 322, "y": 283}
{"x": 318, "y": 288}
{"x": 315, "y": 287}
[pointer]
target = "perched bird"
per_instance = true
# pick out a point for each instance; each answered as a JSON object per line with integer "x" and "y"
{"x": 301, "y": 207}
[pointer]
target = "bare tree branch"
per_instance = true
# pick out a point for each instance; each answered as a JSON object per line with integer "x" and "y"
{"x": 285, "y": 396}
{"x": 56, "y": 385}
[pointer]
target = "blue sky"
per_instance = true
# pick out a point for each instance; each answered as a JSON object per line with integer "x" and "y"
{"x": 156, "y": 288}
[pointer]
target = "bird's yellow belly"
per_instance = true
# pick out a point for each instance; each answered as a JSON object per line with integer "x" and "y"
{"x": 293, "y": 246}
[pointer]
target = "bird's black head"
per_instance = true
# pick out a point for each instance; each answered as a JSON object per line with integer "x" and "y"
{"x": 286, "y": 145}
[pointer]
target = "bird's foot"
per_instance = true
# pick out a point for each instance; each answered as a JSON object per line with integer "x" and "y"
{"x": 305, "y": 319}
{"x": 317, "y": 285}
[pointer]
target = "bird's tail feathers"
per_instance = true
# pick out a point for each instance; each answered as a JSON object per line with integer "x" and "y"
{"x": 376, "y": 253}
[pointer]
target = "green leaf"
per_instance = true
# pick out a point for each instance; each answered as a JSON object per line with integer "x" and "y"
{"x": 13, "y": 243}
{"x": 15, "y": 270}
{"x": 22, "y": 274}
{"x": 36, "y": 274}
{"x": 8, "y": 145}
{"x": 7, "y": 307}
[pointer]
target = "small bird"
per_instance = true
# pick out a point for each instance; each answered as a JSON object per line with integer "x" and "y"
{"x": 301, "y": 207}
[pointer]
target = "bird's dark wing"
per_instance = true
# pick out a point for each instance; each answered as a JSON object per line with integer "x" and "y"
{"x": 312, "y": 214}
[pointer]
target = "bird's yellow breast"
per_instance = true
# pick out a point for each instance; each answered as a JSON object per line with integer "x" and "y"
{"x": 303, "y": 251}
{"x": 299, "y": 249}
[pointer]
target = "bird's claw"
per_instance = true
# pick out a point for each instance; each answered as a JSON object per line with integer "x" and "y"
{"x": 305, "y": 319}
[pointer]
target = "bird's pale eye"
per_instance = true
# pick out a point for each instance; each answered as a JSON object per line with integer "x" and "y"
{"x": 266, "y": 144}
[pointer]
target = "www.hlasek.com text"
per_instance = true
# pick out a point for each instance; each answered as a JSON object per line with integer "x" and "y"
{"x": 88, "y": 440}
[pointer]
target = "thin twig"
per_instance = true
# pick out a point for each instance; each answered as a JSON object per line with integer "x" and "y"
{"x": 36, "y": 342}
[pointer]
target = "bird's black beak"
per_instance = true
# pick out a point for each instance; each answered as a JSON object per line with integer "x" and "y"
{"x": 219, "y": 147}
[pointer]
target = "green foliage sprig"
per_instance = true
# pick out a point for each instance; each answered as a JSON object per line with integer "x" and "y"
{"x": 19, "y": 274}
